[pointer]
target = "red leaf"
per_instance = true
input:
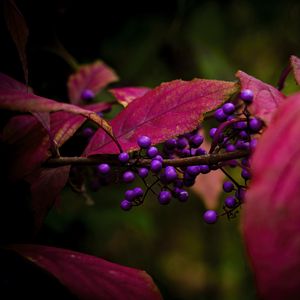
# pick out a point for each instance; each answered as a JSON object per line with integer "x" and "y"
{"x": 266, "y": 97}
{"x": 126, "y": 95}
{"x": 295, "y": 63}
{"x": 17, "y": 27}
{"x": 45, "y": 186}
{"x": 29, "y": 144}
{"x": 93, "y": 77}
{"x": 64, "y": 124}
{"x": 170, "y": 109}
{"x": 89, "y": 277}
{"x": 271, "y": 220}
{"x": 14, "y": 98}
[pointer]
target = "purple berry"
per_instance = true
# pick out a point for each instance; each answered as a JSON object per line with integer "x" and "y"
{"x": 144, "y": 142}
{"x": 230, "y": 148}
{"x": 87, "y": 132}
{"x": 247, "y": 95}
{"x": 255, "y": 124}
{"x": 228, "y": 108}
{"x": 200, "y": 151}
{"x": 183, "y": 196}
{"x": 126, "y": 205}
{"x": 87, "y": 95}
{"x": 164, "y": 197}
{"x": 170, "y": 144}
{"x": 242, "y": 145}
{"x": 220, "y": 115}
{"x": 193, "y": 170}
{"x": 228, "y": 186}
{"x": 182, "y": 143}
{"x": 128, "y": 176}
{"x": 129, "y": 195}
{"x": 240, "y": 194}
{"x": 243, "y": 135}
{"x": 138, "y": 192}
{"x": 185, "y": 152}
{"x": 210, "y": 217}
{"x": 246, "y": 174}
{"x": 152, "y": 151}
{"x": 245, "y": 162}
{"x": 178, "y": 183}
{"x": 143, "y": 172}
{"x": 170, "y": 173}
{"x": 159, "y": 157}
{"x": 188, "y": 182}
{"x": 253, "y": 144}
{"x": 103, "y": 169}
{"x": 196, "y": 141}
{"x": 204, "y": 169}
{"x": 155, "y": 165}
{"x": 230, "y": 202}
{"x": 240, "y": 125}
{"x": 212, "y": 132}
{"x": 123, "y": 157}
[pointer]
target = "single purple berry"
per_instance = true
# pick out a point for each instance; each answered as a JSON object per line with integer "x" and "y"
{"x": 178, "y": 183}
{"x": 200, "y": 151}
{"x": 240, "y": 125}
{"x": 170, "y": 173}
{"x": 143, "y": 172}
{"x": 155, "y": 165}
{"x": 183, "y": 196}
{"x": 193, "y": 170}
{"x": 230, "y": 202}
{"x": 220, "y": 115}
{"x": 246, "y": 174}
{"x": 123, "y": 157}
{"x": 103, "y": 168}
{"x": 210, "y": 217}
{"x": 212, "y": 132}
{"x": 204, "y": 169}
{"x": 240, "y": 194}
{"x": 242, "y": 145}
{"x": 129, "y": 195}
{"x": 87, "y": 132}
{"x": 138, "y": 192}
{"x": 170, "y": 144}
{"x": 255, "y": 124}
{"x": 230, "y": 148}
{"x": 228, "y": 186}
{"x": 247, "y": 96}
{"x": 228, "y": 108}
{"x": 253, "y": 144}
{"x": 159, "y": 157}
{"x": 182, "y": 142}
{"x": 185, "y": 152}
{"x": 128, "y": 176}
{"x": 188, "y": 182}
{"x": 87, "y": 95}
{"x": 196, "y": 141}
{"x": 243, "y": 135}
{"x": 152, "y": 151}
{"x": 245, "y": 162}
{"x": 144, "y": 142}
{"x": 164, "y": 197}
{"x": 126, "y": 205}
{"x": 232, "y": 163}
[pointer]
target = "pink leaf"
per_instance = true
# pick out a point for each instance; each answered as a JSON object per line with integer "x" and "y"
{"x": 126, "y": 95}
{"x": 266, "y": 97}
{"x": 170, "y": 109}
{"x": 89, "y": 277}
{"x": 19, "y": 31}
{"x": 28, "y": 142}
{"x": 46, "y": 185}
{"x": 64, "y": 124}
{"x": 93, "y": 77}
{"x": 271, "y": 219}
{"x": 19, "y": 100}
{"x": 295, "y": 62}
{"x": 209, "y": 186}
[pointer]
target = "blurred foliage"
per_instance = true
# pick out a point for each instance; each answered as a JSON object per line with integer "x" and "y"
{"x": 148, "y": 43}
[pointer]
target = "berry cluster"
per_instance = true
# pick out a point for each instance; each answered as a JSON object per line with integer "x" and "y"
{"x": 236, "y": 130}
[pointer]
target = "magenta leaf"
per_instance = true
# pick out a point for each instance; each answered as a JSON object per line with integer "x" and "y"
{"x": 89, "y": 277}
{"x": 271, "y": 220}
{"x": 19, "y": 100}
{"x": 45, "y": 187}
{"x": 29, "y": 145}
{"x": 266, "y": 97}
{"x": 170, "y": 109}
{"x": 295, "y": 63}
{"x": 18, "y": 29}
{"x": 126, "y": 95}
{"x": 64, "y": 124}
{"x": 91, "y": 77}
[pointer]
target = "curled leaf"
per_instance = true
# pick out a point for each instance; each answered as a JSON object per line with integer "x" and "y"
{"x": 91, "y": 77}
{"x": 271, "y": 219}
{"x": 89, "y": 277}
{"x": 170, "y": 109}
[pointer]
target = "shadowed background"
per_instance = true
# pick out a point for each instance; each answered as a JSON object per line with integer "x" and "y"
{"x": 148, "y": 43}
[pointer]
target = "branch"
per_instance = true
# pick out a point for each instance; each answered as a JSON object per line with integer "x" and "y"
{"x": 112, "y": 159}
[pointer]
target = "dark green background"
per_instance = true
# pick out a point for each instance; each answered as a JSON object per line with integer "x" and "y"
{"x": 147, "y": 43}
